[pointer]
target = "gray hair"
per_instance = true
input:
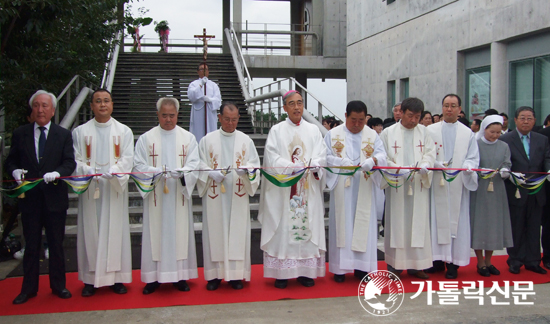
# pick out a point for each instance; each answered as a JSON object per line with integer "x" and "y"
{"x": 525, "y": 108}
{"x": 397, "y": 104}
{"x": 168, "y": 101}
{"x": 40, "y": 92}
{"x": 290, "y": 93}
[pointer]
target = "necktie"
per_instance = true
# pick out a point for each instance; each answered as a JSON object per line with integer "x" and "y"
{"x": 41, "y": 142}
{"x": 525, "y": 141}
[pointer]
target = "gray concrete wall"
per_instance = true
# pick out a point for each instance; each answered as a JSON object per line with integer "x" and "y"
{"x": 334, "y": 28}
{"x": 425, "y": 41}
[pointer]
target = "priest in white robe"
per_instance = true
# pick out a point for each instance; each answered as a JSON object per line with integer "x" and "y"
{"x": 353, "y": 226}
{"x": 104, "y": 146}
{"x": 293, "y": 229}
{"x": 226, "y": 213}
{"x": 407, "y": 243}
{"x": 456, "y": 147}
{"x": 168, "y": 240}
{"x": 204, "y": 103}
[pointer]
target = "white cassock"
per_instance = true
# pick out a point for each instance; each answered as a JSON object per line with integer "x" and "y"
{"x": 407, "y": 241}
{"x": 226, "y": 216}
{"x": 168, "y": 240}
{"x": 293, "y": 228}
{"x": 103, "y": 239}
{"x": 353, "y": 227}
{"x": 196, "y": 95}
{"x": 450, "y": 202}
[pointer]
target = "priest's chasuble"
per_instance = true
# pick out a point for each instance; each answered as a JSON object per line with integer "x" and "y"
{"x": 168, "y": 239}
{"x": 196, "y": 95}
{"x": 226, "y": 215}
{"x": 407, "y": 241}
{"x": 353, "y": 230}
{"x": 293, "y": 228}
{"x": 450, "y": 201}
{"x": 103, "y": 237}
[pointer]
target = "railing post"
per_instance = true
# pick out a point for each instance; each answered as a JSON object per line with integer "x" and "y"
{"x": 320, "y": 111}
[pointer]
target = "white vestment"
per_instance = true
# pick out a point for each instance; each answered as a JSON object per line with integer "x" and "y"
{"x": 450, "y": 202}
{"x": 407, "y": 241}
{"x": 103, "y": 239}
{"x": 341, "y": 143}
{"x": 196, "y": 95}
{"x": 293, "y": 228}
{"x": 168, "y": 240}
{"x": 226, "y": 216}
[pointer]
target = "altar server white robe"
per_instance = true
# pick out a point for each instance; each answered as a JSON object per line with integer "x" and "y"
{"x": 196, "y": 95}
{"x": 103, "y": 230}
{"x": 450, "y": 203}
{"x": 169, "y": 259}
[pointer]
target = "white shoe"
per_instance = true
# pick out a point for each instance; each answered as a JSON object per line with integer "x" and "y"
{"x": 19, "y": 254}
{"x": 46, "y": 253}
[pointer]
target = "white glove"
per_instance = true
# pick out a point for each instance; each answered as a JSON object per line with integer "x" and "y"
{"x": 206, "y": 99}
{"x": 548, "y": 176}
{"x": 16, "y": 174}
{"x": 241, "y": 171}
{"x": 109, "y": 174}
{"x": 346, "y": 162}
{"x": 439, "y": 165}
{"x": 504, "y": 173}
{"x": 216, "y": 176}
{"x": 178, "y": 173}
{"x": 423, "y": 169}
{"x": 154, "y": 170}
{"x": 368, "y": 164}
{"x": 469, "y": 171}
{"x": 315, "y": 166}
{"x": 519, "y": 177}
{"x": 88, "y": 170}
{"x": 204, "y": 80}
{"x": 50, "y": 176}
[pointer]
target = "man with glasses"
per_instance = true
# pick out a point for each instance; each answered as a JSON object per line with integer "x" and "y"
{"x": 529, "y": 154}
{"x": 226, "y": 213}
{"x": 205, "y": 100}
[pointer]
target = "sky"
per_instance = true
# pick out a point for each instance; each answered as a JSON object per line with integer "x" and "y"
{"x": 187, "y": 18}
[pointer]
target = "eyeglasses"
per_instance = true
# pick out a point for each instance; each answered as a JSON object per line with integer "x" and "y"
{"x": 528, "y": 119}
{"x": 293, "y": 104}
{"x": 450, "y": 106}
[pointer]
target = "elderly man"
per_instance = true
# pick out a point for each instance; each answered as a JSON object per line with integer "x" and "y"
{"x": 205, "y": 100}
{"x": 104, "y": 146}
{"x": 397, "y": 114}
{"x": 293, "y": 229}
{"x": 354, "y": 199}
{"x": 407, "y": 228}
{"x": 226, "y": 213}
{"x": 168, "y": 240}
{"x": 456, "y": 147}
{"x": 529, "y": 154}
{"x": 42, "y": 150}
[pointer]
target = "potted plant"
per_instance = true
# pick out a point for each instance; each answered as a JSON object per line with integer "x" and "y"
{"x": 133, "y": 30}
{"x": 163, "y": 30}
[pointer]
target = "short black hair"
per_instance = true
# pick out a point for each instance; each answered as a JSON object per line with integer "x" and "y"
{"x": 524, "y": 108}
{"x": 375, "y": 121}
{"x": 504, "y": 115}
{"x": 356, "y": 106}
{"x": 369, "y": 115}
{"x": 464, "y": 121}
{"x": 227, "y": 104}
{"x": 413, "y": 104}
{"x": 200, "y": 64}
{"x": 490, "y": 112}
{"x": 546, "y": 120}
{"x": 102, "y": 90}
{"x": 477, "y": 121}
{"x": 425, "y": 113}
{"x": 452, "y": 95}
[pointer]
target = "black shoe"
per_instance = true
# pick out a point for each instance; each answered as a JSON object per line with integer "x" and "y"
{"x": 22, "y": 298}
{"x": 546, "y": 264}
{"x": 359, "y": 274}
{"x": 281, "y": 283}
{"x": 396, "y": 272}
{"x": 437, "y": 267}
{"x": 63, "y": 294}
{"x": 213, "y": 284}
{"x": 537, "y": 269}
{"x": 306, "y": 282}
{"x": 236, "y": 284}
{"x": 119, "y": 288}
{"x": 452, "y": 271}
{"x": 150, "y": 287}
{"x": 339, "y": 278}
{"x": 484, "y": 271}
{"x": 493, "y": 270}
{"x": 514, "y": 269}
{"x": 88, "y": 290}
{"x": 181, "y": 285}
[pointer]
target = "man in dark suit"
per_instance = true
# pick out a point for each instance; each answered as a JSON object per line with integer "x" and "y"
{"x": 42, "y": 150}
{"x": 545, "y": 234}
{"x": 529, "y": 153}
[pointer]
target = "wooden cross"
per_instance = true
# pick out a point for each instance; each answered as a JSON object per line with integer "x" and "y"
{"x": 153, "y": 155}
{"x": 183, "y": 155}
{"x": 421, "y": 146}
{"x": 205, "y": 38}
{"x": 396, "y": 147}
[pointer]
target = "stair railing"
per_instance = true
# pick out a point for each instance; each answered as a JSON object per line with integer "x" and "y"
{"x": 110, "y": 66}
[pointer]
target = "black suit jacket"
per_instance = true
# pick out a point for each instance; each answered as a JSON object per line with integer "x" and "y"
{"x": 58, "y": 156}
{"x": 539, "y": 162}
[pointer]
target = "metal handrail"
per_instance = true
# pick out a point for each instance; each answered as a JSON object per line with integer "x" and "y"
{"x": 69, "y": 119}
{"x": 110, "y": 66}
{"x": 240, "y": 64}
{"x": 313, "y": 96}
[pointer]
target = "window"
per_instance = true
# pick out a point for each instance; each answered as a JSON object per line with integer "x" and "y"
{"x": 391, "y": 97}
{"x": 404, "y": 88}
{"x": 478, "y": 92}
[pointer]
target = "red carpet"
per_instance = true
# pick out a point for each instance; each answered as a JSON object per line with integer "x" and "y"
{"x": 259, "y": 289}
